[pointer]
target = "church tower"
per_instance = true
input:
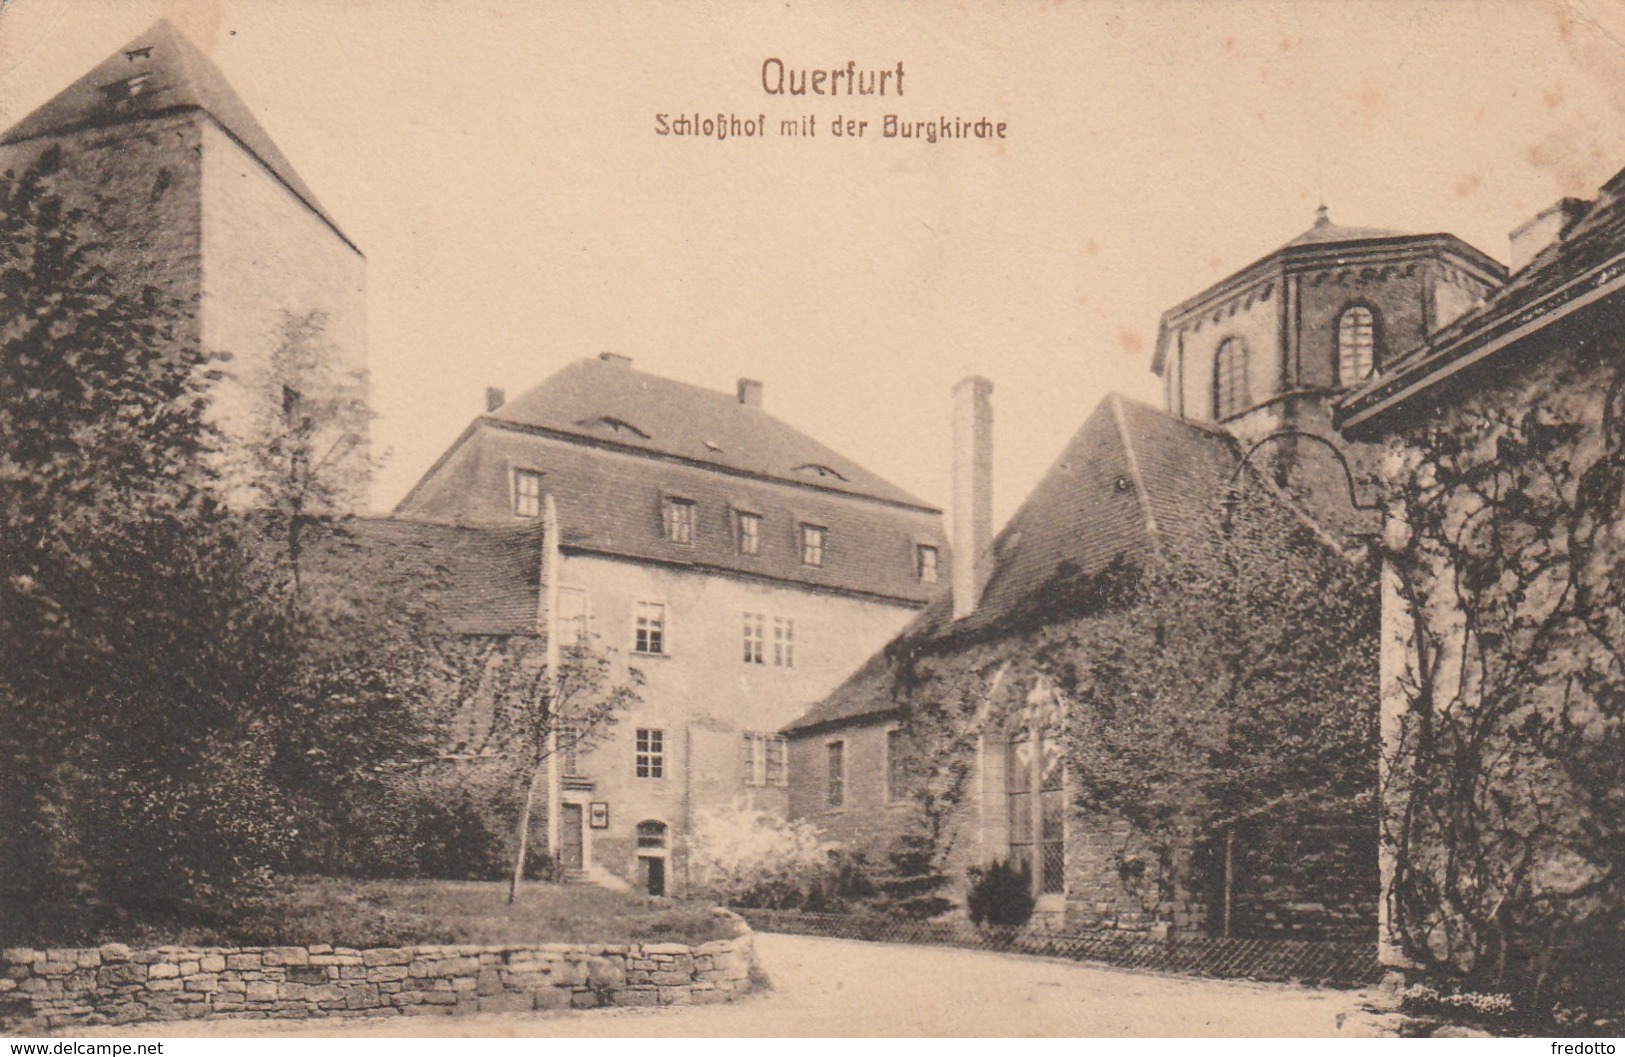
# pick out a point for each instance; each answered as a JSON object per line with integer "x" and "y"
{"x": 189, "y": 194}
{"x": 1263, "y": 353}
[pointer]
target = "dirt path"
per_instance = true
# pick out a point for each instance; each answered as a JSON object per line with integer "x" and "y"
{"x": 827, "y": 987}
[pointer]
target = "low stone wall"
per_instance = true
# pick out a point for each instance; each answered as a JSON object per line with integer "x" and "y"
{"x": 114, "y": 984}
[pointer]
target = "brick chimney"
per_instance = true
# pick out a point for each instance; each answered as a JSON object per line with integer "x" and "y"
{"x": 973, "y": 492}
{"x": 615, "y": 359}
{"x": 1544, "y": 228}
{"x": 494, "y": 398}
{"x": 750, "y": 392}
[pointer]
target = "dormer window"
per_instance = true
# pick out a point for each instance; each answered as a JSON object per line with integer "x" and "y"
{"x": 818, "y": 469}
{"x": 127, "y": 89}
{"x": 1356, "y": 345}
{"x": 679, "y": 520}
{"x": 527, "y": 493}
{"x": 748, "y": 529}
{"x": 925, "y": 563}
{"x": 1230, "y": 396}
{"x": 812, "y": 544}
{"x": 616, "y": 425}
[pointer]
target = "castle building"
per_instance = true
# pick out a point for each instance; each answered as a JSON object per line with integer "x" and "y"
{"x": 1267, "y": 347}
{"x": 1251, "y": 369}
{"x": 187, "y": 194}
{"x": 1528, "y": 384}
{"x": 740, "y": 566}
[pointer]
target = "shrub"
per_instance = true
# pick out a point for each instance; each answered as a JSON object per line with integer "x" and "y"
{"x": 908, "y": 884}
{"x": 1000, "y": 894}
{"x": 754, "y": 859}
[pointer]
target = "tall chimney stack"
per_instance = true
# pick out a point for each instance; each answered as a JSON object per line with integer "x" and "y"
{"x": 973, "y": 492}
{"x": 494, "y": 398}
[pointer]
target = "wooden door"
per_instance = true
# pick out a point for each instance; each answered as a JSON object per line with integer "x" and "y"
{"x": 570, "y": 838}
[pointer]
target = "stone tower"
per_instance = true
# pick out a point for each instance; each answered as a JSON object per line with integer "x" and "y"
{"x": 189, "y": 194}
{"x": 1264, "y": 352}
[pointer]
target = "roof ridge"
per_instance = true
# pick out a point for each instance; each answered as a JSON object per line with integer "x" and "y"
{"x": 694, "y": 423}
{"x": 1133, "y": 460}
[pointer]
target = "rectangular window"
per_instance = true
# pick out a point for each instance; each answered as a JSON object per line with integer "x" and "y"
{"x": 925, "y": 563}
{"x": 763, "y": 760}
{"x": 649, "y": 627}
{"x": 527, "y": 493}
{"x": 750, "y": 532}
{"x": 896, "y": 766}
{"x": 784, "y": 642}
{"x": 650, "y": 757}
{"x": 778, "y": 762}
{"x": 812, "y": 545}
{"x": 566, "y": 740}
{"x": 836, "y": 795}
{"x": 754, "y": 624}
{"x": 572, "y": 616}
{"x": 679, "y": 518}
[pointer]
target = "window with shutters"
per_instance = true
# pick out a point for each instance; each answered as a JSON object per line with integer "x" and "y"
{"x": 764, "y": 760}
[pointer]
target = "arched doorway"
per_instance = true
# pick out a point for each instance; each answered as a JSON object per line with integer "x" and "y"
{"x": 652, "y": 853}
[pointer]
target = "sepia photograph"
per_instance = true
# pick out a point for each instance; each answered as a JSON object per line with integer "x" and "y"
{"x": 1090, "y": 519}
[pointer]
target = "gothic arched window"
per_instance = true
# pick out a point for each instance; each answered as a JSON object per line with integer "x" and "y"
{"x": 1230, "y": 396}
{"x": 1034, "y": 769}
{"x": 1356, "y": 345}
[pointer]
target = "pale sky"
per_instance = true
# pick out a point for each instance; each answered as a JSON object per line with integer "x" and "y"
{"x": 497, "y": 162}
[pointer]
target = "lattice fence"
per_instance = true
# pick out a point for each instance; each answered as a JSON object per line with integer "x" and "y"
{"x": 1323, "y": 963}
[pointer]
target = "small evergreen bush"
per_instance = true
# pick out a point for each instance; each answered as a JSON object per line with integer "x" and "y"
{"x": 1000, "y": 894}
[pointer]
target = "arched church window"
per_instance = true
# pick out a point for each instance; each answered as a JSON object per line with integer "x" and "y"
{"x": 1034, "y": 795}
{"x": 1356, "y": 345}
{"x": 1230, "y": 396}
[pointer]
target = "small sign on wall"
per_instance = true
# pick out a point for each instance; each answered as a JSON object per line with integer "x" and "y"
{"x": 598, "y": 815}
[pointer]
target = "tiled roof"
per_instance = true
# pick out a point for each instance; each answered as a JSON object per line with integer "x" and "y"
{"x": 1130, "y": 481}
{"x": 178, "y": 77}
{"x": 613, "y": 505}
{"x": 1588, "y": 257}
{"x": 609, "y": 402}
{"x": 437, "y": 578}
{"x": 1324, "y": 231}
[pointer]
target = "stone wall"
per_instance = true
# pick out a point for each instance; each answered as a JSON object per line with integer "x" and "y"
{"x": 49, "y": 989}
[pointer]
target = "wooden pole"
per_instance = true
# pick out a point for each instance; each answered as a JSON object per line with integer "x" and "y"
{"x": 550, "y": 608}
{"x": 1229, "y": 873}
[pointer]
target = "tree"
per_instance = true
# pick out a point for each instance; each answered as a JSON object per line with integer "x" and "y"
{"x": 1239, "y": 687}
{"x": 1230, "y": 682}
{"x": 536, "y": 705}
{"x": 1505, "y": 786}
{"x": 136, "y": 656}
{"x": 304, "y": 463}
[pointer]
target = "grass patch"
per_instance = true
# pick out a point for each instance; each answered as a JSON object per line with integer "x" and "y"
{"x": 352, "y": 913}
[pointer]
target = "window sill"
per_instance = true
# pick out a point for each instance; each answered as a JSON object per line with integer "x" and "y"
{"x": 651, "y": 656}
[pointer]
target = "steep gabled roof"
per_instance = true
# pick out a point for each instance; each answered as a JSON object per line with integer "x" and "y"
{"x": 438, "y": 579}
{"x": 1131, "y": 481}
{"x": 610, "y": 403}
{"x": 160, "y": 72}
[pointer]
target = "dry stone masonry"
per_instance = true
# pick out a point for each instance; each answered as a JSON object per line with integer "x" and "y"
{"x": 113, "y": 984}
